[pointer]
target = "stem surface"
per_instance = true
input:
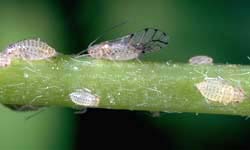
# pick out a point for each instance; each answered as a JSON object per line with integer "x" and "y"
{"x": 126, "y": 85}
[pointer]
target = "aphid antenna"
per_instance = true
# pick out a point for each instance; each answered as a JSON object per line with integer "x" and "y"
{"x": 204, "y": 75}
{"x": 82, "y": 111}
{"x": 35, "y": 113}
{"x": 107, "y": 31}
{"x": 139, "y": 61}
{"x": 79, "y": 55}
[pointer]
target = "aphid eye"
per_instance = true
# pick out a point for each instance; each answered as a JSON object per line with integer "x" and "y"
{"x": 91, "y": 51}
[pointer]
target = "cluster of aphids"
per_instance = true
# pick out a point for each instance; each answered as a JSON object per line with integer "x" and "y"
{"x": 124, "y": 48}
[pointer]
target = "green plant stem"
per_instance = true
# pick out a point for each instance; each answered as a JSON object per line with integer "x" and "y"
{"x": 126, "y": 85}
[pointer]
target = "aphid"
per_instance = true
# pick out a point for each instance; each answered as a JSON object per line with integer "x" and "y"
{"x": 4, "y": 60}
{"x": 84, "y": 97}
{"x": 30, "y": 49}
{"x": 201, "y": 60}
{"x": 218, "y": 90}
{"x": 130, "y": 46}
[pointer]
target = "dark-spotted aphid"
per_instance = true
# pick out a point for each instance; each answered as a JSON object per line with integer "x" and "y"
{"x": 130, "y": 46}
{"x": 30, "y": 49}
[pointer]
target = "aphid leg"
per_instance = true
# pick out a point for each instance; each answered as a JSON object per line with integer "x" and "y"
{"x": 139, "y": 61}
{"x": 205, "y": 75}
{"x": 36, "y": 113}
{"x": 27, "y": 107}
{"x": 82, "y": 52}
{"x": 156, "y": 114}
{"x": 82, "y": 111}
{"x": 115, "y": 62}
{"x": 79, "y": 56}
{"x": 207, "y": 101}
{"x": 28, "y": 62}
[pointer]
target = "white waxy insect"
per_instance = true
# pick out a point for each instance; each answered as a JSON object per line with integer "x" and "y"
{"x": 218, "y": 90}
{"x": 30, "y": 49}
{"x": 201, "y": 60}
{"x": 84, "y": 97}
{"x": 130, "y": 46}
{"x": 5, "y": 60}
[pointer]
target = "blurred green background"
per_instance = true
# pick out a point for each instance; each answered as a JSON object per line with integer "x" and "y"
{"x": 219, "y": 29}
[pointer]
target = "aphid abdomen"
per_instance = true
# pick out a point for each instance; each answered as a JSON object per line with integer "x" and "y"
{"x": 113, "y": 51}
{"x": 121, "y": 52}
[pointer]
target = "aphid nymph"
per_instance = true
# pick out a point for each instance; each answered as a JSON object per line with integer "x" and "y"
{"x": 201, "y": 60}
{"x": 219, "y": 90}
{"x": 130, "y": 46}
{"x": 30, "y": 49}
{"x": 84, "y": 97}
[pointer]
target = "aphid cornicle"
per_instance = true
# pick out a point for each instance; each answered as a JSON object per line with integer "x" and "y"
{"x": 130, "y": 46}
{"x": 30, "y": 49}
{"x": 219, "y": 90}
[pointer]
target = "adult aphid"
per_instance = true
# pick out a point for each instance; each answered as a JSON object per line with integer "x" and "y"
{"x": 30, "y": 49}
{"x": 130, "y": 46}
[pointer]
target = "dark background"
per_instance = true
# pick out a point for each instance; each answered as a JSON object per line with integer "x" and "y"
{"x": 219, "y": 29}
